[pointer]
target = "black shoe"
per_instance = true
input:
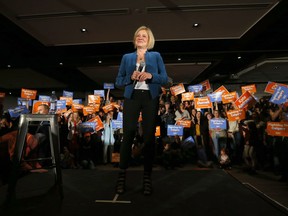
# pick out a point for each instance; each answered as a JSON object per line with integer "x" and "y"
{"x": 121, "y": 183}
{"x": 147, "y": 184}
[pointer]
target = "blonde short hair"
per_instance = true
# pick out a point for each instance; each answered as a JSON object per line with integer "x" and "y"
{"x": 151, "y": 39}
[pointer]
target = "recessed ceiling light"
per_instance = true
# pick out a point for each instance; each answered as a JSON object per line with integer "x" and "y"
{"x": 61, "y": 63}
{"x": 8, "y": 66}
{"x": 239, "y": 57}
{"x": 195, "y": 25}
{"x": 99, "y": 61}
{"x": 83, "y": 30}
{"x": 179, "y": 59}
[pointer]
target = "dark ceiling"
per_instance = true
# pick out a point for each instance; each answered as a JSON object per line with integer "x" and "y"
{"x": 42, "y": 46}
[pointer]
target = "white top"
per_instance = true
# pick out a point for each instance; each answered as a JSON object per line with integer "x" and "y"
{"x": 141, "y": 85}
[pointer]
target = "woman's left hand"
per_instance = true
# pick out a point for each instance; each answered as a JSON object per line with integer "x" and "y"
{"x": 144, "y": 76}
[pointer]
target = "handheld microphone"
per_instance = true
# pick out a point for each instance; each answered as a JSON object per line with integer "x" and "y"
{"x": 140, "y": 68}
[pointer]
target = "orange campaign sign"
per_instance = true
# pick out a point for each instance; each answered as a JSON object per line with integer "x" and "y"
{"x": 251, "y": 88}
{"x": 206, "y": 85}
{"x": 67, "y": 113}
{"x": 187, "y": 96}
{"x": 277, "y": 129}
{"x": 77, "y": 107}
{"x": 2, "y": 94}
{"x": 94, "y": 99}
{"x": 184, "y": 123}
{"x": 99, "y": 123}
{"x": 88, "y": 110}
{"x": 229, "y": 97}
{"x": 177, "y": 89}
{"x": 157, "y": 131}
{"x": 234, "y": 115}
{"x": 271, "y": 87}
{"x": 36, "y": 104}
{"x": 107, "y": 108}
{"x": 222, "y": 89}
{"x": 202, "y": 103}
{"x": 28, "y": 94}
{"x": 245, "y": 100}
{"x": 69, "y": 100}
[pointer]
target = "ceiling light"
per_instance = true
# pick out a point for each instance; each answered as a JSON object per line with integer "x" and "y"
{"x": 195, "y": 25}
{"x": 179, "y": 59}
{"x": 8, "y": 66}
{"x": 83, "y": 30}
{"x": 239, "y": 57}
{"x": 99, "y": 61}
{"x": 61, "y": 63}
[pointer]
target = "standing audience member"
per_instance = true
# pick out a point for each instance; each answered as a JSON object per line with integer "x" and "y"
{"x": 73, "y": 135}
{"x": 219, "y": 135}
{"x": 108, "y": 138}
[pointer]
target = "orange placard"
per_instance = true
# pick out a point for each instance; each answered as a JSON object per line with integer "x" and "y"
{"x": 157, "y": 131}
{"x": 245, "y": 100}
{"x": 77, "y": 107}
{"x": 202, "y": 103}
{"x": 251, "y": 88}
{"x": 271, "y": 86}
{"x": 277, "y": 129}
{"x": 229, "y": 97}
{"x": 206, "y": 85}
{"x": 234, "y": 115}
{"x": 222, "y": 89}
{"x": 88, "y": 110}
{"x": 2, "y": 94}
{"x": 177, "y": 89}
{"x": 69, "y": 100}
{"x": 99, "y": 123}
{"x": 184, "y": 123}
{"x": 28, "y": 94}
{"x": 36, "y": 104}
{"x": 94, "y": 99}
{"x": 107, "y": 108}
{"x": 187, "y": 96}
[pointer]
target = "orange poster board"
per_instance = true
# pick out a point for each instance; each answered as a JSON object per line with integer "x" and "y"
{"x": 184, "y": 123}
{"x": 107, "y": 108}
{"x": 277, "y": 128}
{"x": 222, "y": 89}
{"x": 187, "y": 96}
{"x": 2, "y": 94}
{"x": 77, "y": 107}
{"x": 157, "y": 131}
{"x": 202, "y": 103}
{"x": 234, "y": 115}
{"x": 36, "y": 104}
{"x": 69, "y": 100}
{"x": 251, "y": 88}
{"x": 28, "y": 94}
{"x": 229, "y": 97}
{"x": 206, "y": 85}
{"x": 245, "y": 100}
{"x": 94, "y": 99}
{"x": 88, "y": 110}
{"x": 177, "y": 89}
{"x": 271, "y": 86}
{"x": 99, "y": 123}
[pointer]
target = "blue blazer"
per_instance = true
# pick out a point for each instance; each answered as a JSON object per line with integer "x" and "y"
{"x": 154, "y": 65}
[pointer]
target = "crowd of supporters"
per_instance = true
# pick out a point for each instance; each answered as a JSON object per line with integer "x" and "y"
{"x": 243, "y": 142}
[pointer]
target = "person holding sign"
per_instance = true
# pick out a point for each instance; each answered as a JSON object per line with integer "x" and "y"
{"x": 142, "y": 73}
{"x": 218, "y": 131}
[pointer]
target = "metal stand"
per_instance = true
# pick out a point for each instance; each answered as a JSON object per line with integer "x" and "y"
{"x": 51, "y": 121}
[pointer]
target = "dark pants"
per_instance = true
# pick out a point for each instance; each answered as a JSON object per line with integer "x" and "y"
{"x": 140, "y": 102}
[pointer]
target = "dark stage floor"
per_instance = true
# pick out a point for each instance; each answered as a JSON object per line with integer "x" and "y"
{"x": 176, "y": 192}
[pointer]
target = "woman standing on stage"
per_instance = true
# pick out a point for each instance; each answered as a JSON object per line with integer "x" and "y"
{"x": 142, "y": 73}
